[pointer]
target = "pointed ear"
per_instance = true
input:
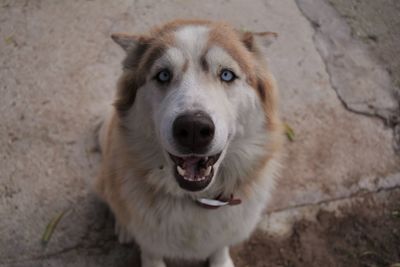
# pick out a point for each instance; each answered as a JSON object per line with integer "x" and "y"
{"x": 129, "y": 42}
{"x": 255, "y": 41}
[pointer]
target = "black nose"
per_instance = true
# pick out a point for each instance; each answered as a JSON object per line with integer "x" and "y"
{"x": 193, "y": 132}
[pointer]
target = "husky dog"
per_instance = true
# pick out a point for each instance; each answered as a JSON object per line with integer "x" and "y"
{"x": 191, "y": 148}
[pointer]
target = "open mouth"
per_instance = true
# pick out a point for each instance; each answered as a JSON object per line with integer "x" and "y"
{"x": 194, "y": 173}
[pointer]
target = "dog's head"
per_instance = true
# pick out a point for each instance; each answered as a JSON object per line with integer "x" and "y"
{"x": 194, "y": 98}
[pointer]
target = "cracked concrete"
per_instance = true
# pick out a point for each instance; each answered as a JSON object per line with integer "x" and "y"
{"x": 59, "y": 68}
{"x": 362, "y": 84}
{"x": 377, "y": 24}
{"x": 361, "y": 81}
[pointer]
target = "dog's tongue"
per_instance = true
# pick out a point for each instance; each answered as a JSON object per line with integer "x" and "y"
{"x": 192, "y": 160}
{"x": 192, "y": 167}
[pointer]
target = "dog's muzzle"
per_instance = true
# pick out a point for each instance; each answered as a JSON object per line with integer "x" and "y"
{"x": 193, "y": 133}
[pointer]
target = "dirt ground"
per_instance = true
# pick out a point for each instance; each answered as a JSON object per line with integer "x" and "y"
{"x": 368, "y": 235}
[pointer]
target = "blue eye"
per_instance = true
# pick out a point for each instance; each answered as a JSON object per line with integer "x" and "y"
{"x": 227, "y": 75}
{"x": 163, "y": 76}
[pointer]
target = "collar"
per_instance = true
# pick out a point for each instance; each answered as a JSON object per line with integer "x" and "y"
{"x": 218, "y": 202}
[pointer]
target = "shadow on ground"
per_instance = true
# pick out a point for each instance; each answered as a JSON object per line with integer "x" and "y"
{"x": 356, "y": 237}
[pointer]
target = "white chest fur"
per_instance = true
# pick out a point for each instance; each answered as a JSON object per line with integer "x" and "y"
{"x": 186, "y": 230}
{"x": 180, "y": 228}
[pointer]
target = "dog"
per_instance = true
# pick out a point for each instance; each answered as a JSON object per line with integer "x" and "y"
{"x": 192, "y": 146}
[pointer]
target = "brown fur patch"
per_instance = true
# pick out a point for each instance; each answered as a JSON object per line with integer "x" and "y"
{"x": 107, "y": 183}
{"x": 224, "y": 36}
{"x": 137, "y": 65}
{"x": 204, "y": 64}
{"x": 128, "y": 84}
{"x": 134, "y": 56}
{"x": 261, "y": 90}
{"x": 249, "y": 40}
{"x": 267, "y": 88}
{"x": 185, "y": 66}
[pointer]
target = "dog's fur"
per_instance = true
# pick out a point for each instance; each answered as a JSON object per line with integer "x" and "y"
{"x": 137, "y": 175}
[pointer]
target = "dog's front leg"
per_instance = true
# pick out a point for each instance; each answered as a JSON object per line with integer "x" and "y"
{"x": 149, "y": 260}
{"x": 221, "y": 258}
{"x": 124, "y": 237}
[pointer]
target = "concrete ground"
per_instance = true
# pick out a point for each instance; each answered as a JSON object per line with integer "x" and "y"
{"x": 58, "y": 70}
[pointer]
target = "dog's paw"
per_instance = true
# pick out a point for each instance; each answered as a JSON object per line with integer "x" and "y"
{"x": 149, "y": 260}
{"x": 227, "y": 263}
{"x": 221, "y": 258}
{"x": 154, "y": 264}
{"x": 124, "y": 237}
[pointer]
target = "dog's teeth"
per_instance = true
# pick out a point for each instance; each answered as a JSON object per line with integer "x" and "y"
{"x": 181, "y": 171}
{"x": 208, "y": 171}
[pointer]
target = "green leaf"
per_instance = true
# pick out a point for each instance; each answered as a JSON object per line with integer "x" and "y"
{"x": 51, "y": 226}
{"x": 289, "y": 132}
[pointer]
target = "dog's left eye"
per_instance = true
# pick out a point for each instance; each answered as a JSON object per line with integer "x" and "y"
{"x": 227, "y": 75}
{"x": 163, "y": 76}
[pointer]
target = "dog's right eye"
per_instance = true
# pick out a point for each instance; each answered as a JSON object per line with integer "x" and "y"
{"x": 227, "y": 76}
{"x": 163, "y": 76}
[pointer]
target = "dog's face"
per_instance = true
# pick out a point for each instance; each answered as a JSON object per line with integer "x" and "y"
{"x": 193, "y": 88}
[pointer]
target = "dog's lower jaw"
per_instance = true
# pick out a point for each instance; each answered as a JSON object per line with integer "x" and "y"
{"x": 221, "y": 258}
